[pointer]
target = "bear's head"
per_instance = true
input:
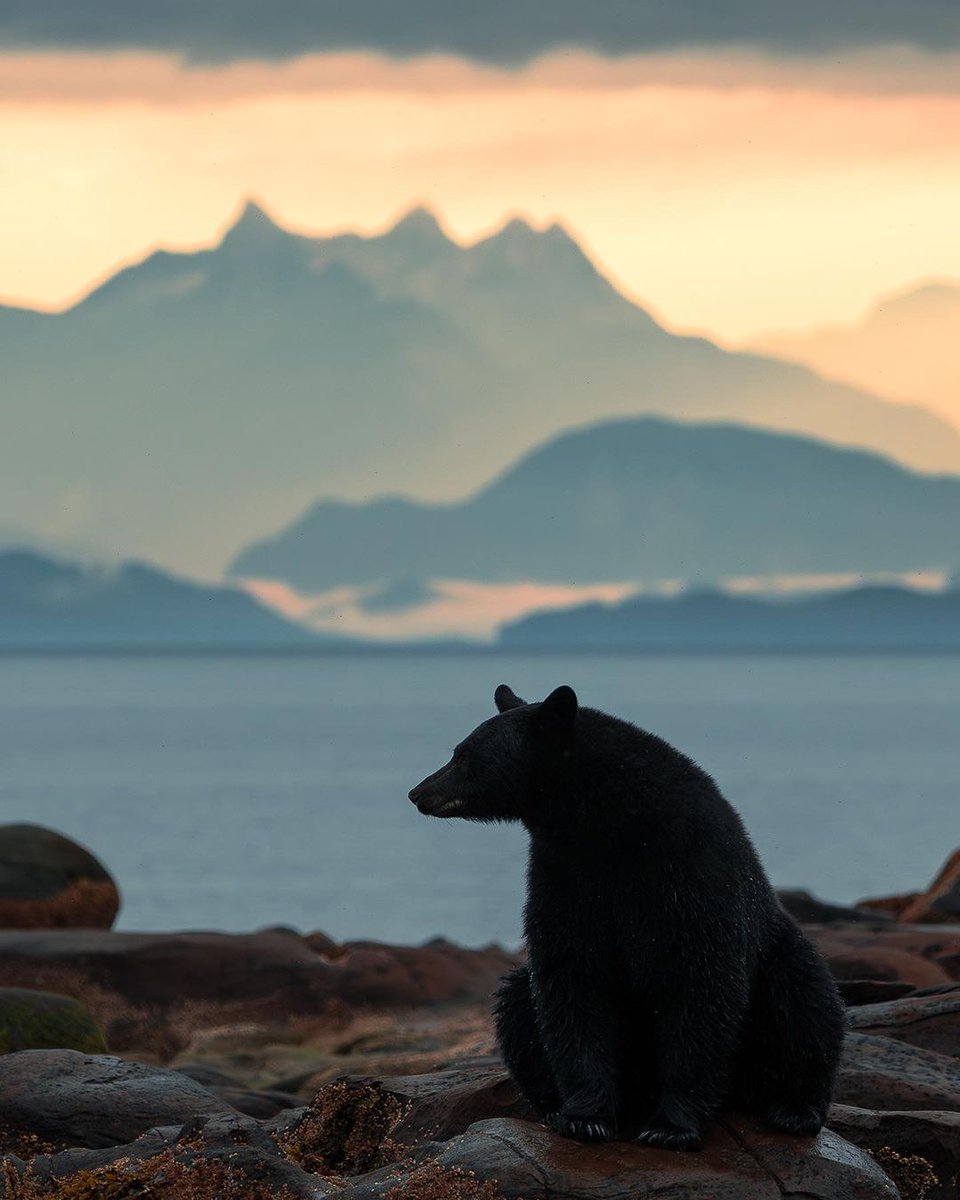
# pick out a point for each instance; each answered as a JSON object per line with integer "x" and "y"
{"x": 496, "y": 772}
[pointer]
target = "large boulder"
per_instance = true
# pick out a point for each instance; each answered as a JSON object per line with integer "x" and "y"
{"x": 49, "y": 882}
{"x": 44, "y": 1021}
{"x": 95, "y": 1100}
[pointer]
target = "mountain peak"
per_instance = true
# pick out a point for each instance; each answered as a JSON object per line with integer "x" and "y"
{"x": 254, "y": 227}
{"x": 420, "y": 222}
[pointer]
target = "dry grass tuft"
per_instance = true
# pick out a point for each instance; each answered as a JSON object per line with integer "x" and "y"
{"x": 346, "y": 1131}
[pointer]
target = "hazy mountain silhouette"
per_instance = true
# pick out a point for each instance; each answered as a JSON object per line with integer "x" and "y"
{"x": 195, "y": 400}
{"x": 904, "y": 347}
{"x": 868, "y": 618}
{"x": 48, "y": 604}
{"x": 637, "y": 499}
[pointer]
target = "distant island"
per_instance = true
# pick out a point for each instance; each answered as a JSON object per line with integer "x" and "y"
{"x": 856, "y": 619}
{"x": 639, "y": 498}
{"x": 52, "y": 605}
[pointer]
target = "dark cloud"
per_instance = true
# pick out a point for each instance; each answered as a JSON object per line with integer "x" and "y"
{"x": 497, "y": 31}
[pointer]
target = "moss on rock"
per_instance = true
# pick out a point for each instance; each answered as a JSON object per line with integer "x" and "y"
{"x": 32, "y": 1020}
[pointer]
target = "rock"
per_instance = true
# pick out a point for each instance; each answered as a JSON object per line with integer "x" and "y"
{"x": 941, "y": 901}
{"x": 252, "y": 1102}
{"x": 95, "y": 1100}
{"x": 208, "y": 1158}
{"x": 877, "y": 1072}
{"x": 873, "y": 991}
{"x": 810, "y": 910}
{"x": 934, "y": 1136}
{"x": 930, "y": 1022}
{"x": 278, "y": 972}
{"x": 446, "y": 1103}
{"x": 739, "y": 1162}
{"x": 435, "y": 973}
{"x": 43, "y": 1020}
{"x": 49, "y": 882}
{"x": 921, "y": 955}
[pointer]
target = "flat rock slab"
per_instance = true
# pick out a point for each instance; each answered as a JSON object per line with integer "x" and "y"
{"x": 930, "y": 1022}
{"x": 95, "y": 1100}
{"x": 880, "y": 1073}
{"x": 739, "y": 1162}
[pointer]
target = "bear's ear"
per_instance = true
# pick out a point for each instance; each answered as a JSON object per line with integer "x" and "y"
{"x": 556, "y": 714}
{"x": 505, "y": 699}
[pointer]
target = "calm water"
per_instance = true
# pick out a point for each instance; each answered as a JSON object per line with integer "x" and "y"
{"x": 234, "y": 793}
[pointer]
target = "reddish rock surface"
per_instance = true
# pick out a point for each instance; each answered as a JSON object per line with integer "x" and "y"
{"x": 939, "y": 904}
{"x": 739, "y": 1162}
{"x": 275, "y": 968}
{"x": 48, "y": 882}
{"x": 941, "y": 901}
{"x": 919, "y": 955}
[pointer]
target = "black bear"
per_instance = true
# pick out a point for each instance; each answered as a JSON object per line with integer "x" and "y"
{"x": 663, "y": 977}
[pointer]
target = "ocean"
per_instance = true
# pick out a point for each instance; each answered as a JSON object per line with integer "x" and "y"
{"x": 237, "y": 792}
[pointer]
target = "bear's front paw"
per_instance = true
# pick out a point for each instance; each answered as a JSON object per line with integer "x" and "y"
{"x": 671, "y": 1137}
{"x": 582, "y": 1128}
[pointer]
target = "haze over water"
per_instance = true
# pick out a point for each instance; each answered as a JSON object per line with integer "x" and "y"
{"x": 237, "y": 792}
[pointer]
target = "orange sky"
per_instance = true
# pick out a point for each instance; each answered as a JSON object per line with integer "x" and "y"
{"x": 731, "y": 194}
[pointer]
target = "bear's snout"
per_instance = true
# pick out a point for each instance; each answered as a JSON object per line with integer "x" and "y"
{"x": 432, "y": 798}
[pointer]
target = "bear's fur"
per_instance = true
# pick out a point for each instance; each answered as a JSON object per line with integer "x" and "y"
{"x": 663, "y": 977}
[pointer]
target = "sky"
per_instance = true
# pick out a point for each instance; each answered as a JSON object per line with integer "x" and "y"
{"x": 778, "y": 168}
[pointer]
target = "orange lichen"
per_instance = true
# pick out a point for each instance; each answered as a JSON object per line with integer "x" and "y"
{"x": 83, "y": 904}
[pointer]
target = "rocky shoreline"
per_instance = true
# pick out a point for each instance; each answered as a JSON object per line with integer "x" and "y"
{"x": 276, "y": 1064}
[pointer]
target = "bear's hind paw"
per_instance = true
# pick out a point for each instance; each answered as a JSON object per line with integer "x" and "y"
{"x": 582, "y": 1129}
{"x": 670, "y": 1137}
{"x": 804, "y": 1122}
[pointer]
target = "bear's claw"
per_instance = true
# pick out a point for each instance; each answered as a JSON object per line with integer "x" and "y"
{"x": 583, "y": 1129}
{"x": 804, "y": 1122}
{"x": 670, "y": 1137}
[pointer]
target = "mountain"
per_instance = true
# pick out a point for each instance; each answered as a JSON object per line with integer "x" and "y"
{"x": 196, "y": 400}
{"x": 638, "y": 499}
{"x": 904, "y": 348}
{"x": 49, "y": 604}
{"x": 867, "y": 618}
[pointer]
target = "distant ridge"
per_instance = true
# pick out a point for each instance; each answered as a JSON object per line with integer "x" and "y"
{"x": 904, "y": 347}
{"x": 48, "y": 604}
{"x": 631, "y": 500}
{"x": 194, "y": 401}
{"x": 861, "y": 619}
